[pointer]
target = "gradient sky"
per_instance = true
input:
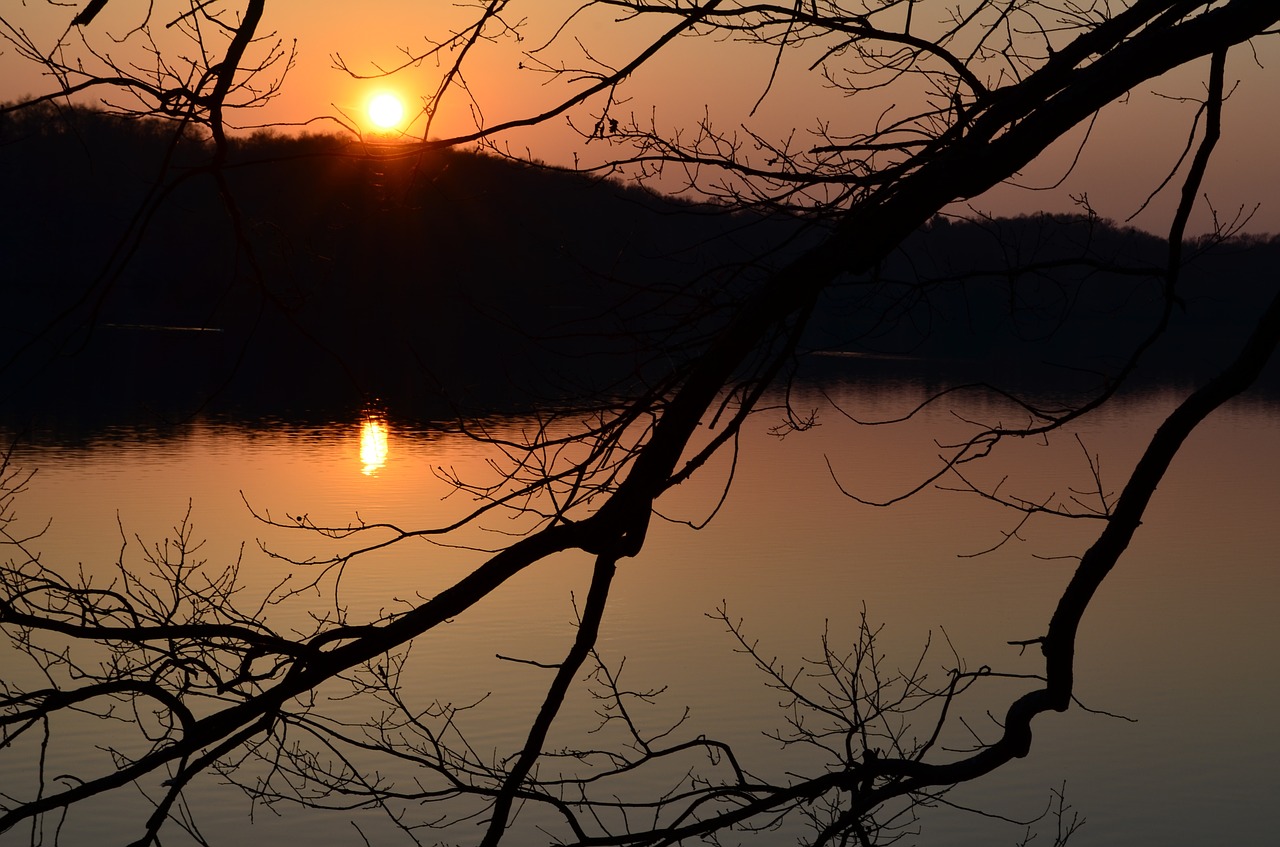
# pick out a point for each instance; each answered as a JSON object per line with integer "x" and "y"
{"x": 1131, "y": 149}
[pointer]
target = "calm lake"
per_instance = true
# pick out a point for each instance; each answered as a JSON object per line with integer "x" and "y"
{"x": 1181, "y": 640}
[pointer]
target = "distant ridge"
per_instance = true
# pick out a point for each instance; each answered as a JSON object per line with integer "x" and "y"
{"x": 452, "y": 280}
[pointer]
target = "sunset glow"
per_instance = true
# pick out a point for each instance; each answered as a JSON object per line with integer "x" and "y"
{"x": 498, "y": 83}
{"x": 373, "y": 443}
{"x": 386, "y": 111}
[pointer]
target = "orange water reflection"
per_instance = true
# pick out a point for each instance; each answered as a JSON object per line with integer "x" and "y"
{"x": 1189, "y": 609}
{"x": 373, "y": 442}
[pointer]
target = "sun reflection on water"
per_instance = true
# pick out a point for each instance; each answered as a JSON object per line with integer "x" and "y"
{"x": 373, "y": 441}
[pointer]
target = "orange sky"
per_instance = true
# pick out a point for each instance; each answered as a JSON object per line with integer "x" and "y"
{"x": 1131, "y": 149}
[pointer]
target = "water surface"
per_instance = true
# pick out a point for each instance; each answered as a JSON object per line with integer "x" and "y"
{"x": 1181, "y": 639}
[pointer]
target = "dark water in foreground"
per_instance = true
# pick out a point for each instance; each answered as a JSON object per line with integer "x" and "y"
{"x": 1181, "y": 639}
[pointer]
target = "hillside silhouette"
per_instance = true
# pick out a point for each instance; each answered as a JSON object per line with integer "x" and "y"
{"x": 1059, "y": 300}
{"x": 314, "y": 273}
{"x": 341, "y": 271}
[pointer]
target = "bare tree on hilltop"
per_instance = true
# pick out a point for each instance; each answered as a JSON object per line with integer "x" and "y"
{"x": 205, "y": 687}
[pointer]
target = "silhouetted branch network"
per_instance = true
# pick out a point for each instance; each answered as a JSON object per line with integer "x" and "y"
{"x": 180, "y": 666}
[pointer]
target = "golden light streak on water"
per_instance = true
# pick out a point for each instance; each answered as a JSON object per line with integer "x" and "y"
{"x": 373, "y": 442}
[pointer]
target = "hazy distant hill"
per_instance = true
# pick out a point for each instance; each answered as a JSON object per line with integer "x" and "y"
{"x": 1086, "y": 294}
{"x": 341, "y": 272}
{"x": 353, "y": 272}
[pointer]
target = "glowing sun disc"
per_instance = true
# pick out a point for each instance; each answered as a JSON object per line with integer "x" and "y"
{"x": 386, "y": 111}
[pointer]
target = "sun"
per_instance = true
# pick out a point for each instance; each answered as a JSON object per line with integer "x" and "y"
{"x": 386, "y": 111}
